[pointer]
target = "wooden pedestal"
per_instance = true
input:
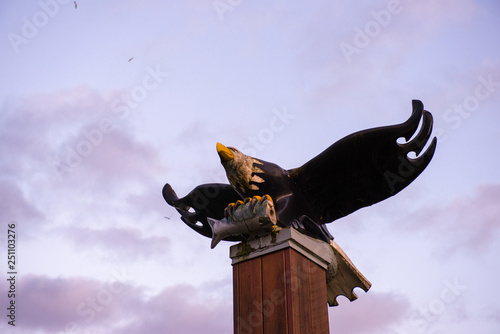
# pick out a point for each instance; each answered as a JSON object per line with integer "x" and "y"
{"x": 279, "y": 285}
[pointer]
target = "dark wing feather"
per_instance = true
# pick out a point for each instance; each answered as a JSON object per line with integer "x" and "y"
{"x": 206, "y": 200}
{"x": 365, "y": 167}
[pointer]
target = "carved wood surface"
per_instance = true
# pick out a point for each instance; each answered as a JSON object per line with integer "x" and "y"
{"x": 345, "y": 278}
{"x": 280, "y": 292}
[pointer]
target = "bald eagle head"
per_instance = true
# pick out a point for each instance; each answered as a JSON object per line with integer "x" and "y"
{"x": 241, "y": 170}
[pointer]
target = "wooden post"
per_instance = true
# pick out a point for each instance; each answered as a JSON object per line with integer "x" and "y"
{"x": 279, "y": 284}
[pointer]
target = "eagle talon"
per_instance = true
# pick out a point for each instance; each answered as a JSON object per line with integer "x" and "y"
{"x": 253, "y": 201}
{"x": 228, "y": 211}
{"x": 237, "y": 204}
{"x": 269, "y": 198}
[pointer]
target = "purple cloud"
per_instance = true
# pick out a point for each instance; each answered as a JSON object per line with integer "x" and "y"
{"x": 182, "y": 309}
{"x": 64, "y": 155}
{"x": 374, "y": 313}
{"x": 126, "y": 243}
{"x": 467, "y": 222}
{"x": 470, "y": 223}
{"x": 56, "y": 304}
{"x": 14, "y": 205}
{"x": 77, "y": 305}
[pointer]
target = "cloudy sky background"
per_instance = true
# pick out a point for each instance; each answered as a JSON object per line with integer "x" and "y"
{"x": 88, "y": 139}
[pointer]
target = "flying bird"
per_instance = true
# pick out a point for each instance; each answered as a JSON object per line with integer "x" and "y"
{"x": 76, "y": 5}
{"x": 130, "y": 59}
{"x": 359, "y": 170}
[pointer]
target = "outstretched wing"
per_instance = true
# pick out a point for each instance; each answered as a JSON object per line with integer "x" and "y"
{"x": 206, "y": 200}
{"x": 366, "y": 167}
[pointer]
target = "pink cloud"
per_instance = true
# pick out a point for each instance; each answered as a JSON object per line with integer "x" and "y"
{"x": 56, "y": 304}
{"x": 121, "y": 156}
{"x": 35, "y": 133}
{"x": 72, "y": 131}
{"x": 182, "y": 309}
{"x": 465, "y": 223}
{"x": 470, "y": 222}
{"x": 124, "y": 243}
{"x": 14, "y": 205}
{"x": 76, "y": 305}
{"x": 374, "y": 313}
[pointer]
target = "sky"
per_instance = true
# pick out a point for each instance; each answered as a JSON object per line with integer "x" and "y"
{"x": 103, "y": 104}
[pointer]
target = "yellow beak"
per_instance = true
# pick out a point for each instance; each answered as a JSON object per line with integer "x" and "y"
{"x": 224, "y": 153}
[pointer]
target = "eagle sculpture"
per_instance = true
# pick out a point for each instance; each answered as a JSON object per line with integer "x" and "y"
{"x": 359, "y": 170}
